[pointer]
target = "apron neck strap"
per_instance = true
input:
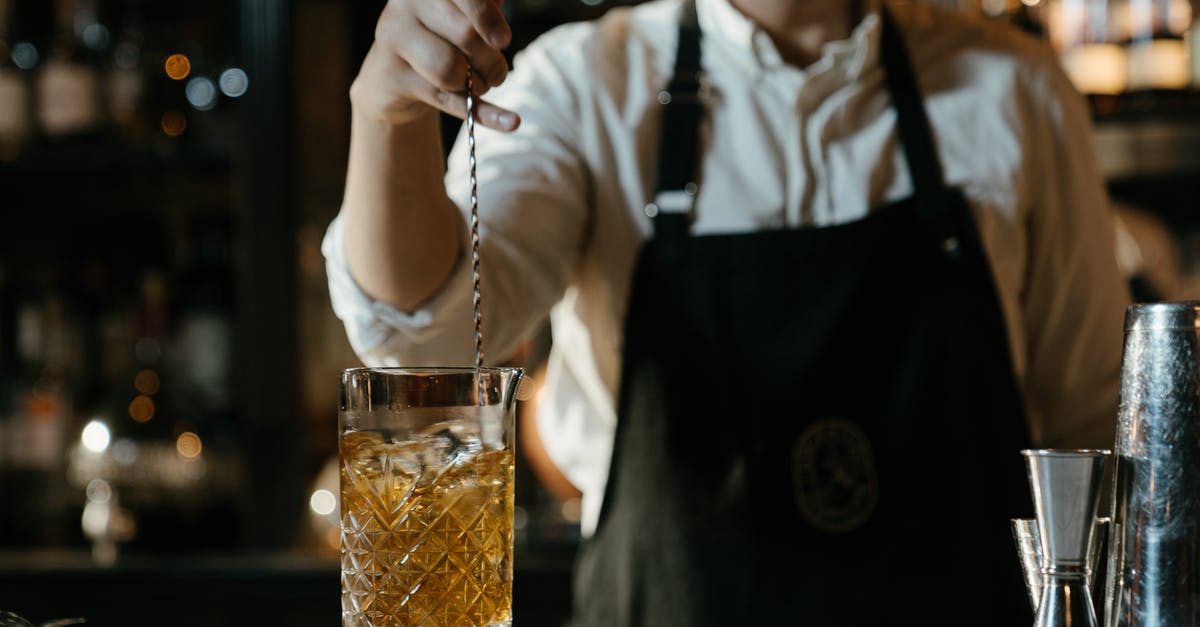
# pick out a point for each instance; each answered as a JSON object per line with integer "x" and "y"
{"x": 678, "y": 148}
{"x": 916, "y": 135}
{"x": 683, "y": 105}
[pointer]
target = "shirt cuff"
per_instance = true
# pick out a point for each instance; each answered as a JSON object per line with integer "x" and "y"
{"x": 371, "y": 323}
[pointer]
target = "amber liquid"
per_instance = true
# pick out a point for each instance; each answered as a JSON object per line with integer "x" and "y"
{"x": 424, "y": 546}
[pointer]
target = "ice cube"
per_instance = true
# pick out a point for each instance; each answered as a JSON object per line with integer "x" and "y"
{"x": 356, "y": 444}
{"x": 445, "y": 446}
{"x": 404, "y": 459}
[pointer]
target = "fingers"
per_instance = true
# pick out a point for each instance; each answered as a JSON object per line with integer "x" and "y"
{"x": 494, "y": 117}
{"x": 487, "y": 20}
{"x": 437, "y": 61}
{"x": 456, "y": 29}
{"x": 486, "y": 113}
{"x": 421, "y": 54}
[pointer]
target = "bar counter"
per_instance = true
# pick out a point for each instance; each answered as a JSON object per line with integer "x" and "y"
{"x": 227, "y": 590}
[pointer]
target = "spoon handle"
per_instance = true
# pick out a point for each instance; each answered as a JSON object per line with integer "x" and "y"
{"x": 472, "y": 103}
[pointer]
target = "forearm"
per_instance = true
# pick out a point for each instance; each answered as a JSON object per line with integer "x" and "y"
{"x": 402, "y": 233}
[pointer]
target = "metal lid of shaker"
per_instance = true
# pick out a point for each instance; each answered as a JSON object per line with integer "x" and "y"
{"x": 1163, "y": 315}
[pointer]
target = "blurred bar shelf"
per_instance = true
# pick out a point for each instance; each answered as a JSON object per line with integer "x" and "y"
{"x": 99, "y": 159}
{"x": 1148, "y": 134}
{"x": 1148, "y": 148}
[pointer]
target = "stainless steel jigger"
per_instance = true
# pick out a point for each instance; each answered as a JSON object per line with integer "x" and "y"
{"x": 1029, "y": 552}
{"x": 1066, "y": 493}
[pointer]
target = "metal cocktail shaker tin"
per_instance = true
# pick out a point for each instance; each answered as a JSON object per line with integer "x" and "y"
{"x": 1154, "y": 560}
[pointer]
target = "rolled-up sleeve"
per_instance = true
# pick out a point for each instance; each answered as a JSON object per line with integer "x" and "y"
{"x": 532, "y": 191}
{"x": 383, "y": 335}
{"x": 1075, "y": 295}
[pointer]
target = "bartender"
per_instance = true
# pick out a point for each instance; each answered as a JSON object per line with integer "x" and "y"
{"x": 816, "y": 272}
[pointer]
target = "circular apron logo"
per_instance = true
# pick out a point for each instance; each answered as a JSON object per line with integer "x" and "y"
{"x": 833, "y": 473}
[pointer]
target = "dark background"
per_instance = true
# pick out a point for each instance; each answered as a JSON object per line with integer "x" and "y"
{"x": 194, "y": 255}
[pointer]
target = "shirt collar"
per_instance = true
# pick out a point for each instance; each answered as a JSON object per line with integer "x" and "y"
{"x": 849, "y": 57}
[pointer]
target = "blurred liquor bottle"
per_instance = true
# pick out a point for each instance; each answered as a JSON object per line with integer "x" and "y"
{"x": 1111, "y": 47}
{"x": 1193, "y": 39}
{"x": 202, "y": 355}
{"x": 1158, "y": 54}
{"x": 68, "y": 83}
{"x": 1092, "y": 37}
{"x": 126, "y": 78}
{"x": 14, "y": 87}
{"x": 38, "y": 415}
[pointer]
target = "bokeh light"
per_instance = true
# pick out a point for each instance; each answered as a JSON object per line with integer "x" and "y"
{"x": 572, "y": 510}
{"x": 99, "y": 491}
{"x": 174, "y": 123}
{"x": 526, "y": 389}
{"x": 24, "y": 55}
{"x": 141, "y": 408}
{"x": 234, "y": 82}
{"x": 96, "y": 36}
{"x": 146, "y": 382}
{"x": 178, "y": 66}
{"x": 95, "y": 519}
{"x": 201, "y": 93}
{"x": 147, "y": 349}
{"x": 188, "y": 444}
{"x": 96, "y": 436}
{"x": 323, "y": 502}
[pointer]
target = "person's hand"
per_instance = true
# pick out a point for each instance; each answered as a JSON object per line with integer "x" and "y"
{"x": 418, "y": 62}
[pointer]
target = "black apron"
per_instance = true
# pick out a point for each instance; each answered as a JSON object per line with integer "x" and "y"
{"x": 817, "y": 426}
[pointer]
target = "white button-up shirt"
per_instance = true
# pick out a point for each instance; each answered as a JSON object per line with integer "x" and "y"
{"x": 561, "y": 202}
